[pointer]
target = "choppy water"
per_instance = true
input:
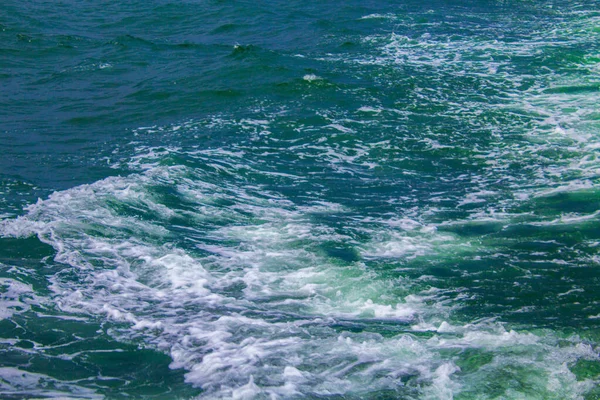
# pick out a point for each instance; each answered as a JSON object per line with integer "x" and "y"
{"x": 269, "y": 199}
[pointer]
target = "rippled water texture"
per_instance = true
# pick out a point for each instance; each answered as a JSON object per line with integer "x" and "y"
{"x": 358, "y": 200}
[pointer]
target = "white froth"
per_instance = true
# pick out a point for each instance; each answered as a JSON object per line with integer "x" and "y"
{"x": 15, "y": 382}
{"x": 15, "y": 297}
{"x": 169, "y": 295}
{"x": 311, "y": 78}
{"x": 367, "y": 109}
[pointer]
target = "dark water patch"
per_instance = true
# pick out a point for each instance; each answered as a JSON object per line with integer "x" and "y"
{"x": 18, "y": 250}
{"x": 130, "y": 41}
{"x": 472, "y": 360}
{"x": 573, "y": 89}
{"x": 228, "y": 28}
{"x": 474, "y": 229}
{"x": 344, "y": 253}
{"x": 585, "y": 369}
{"x": 582, "y": 201}
{"x": 113, "y": 369}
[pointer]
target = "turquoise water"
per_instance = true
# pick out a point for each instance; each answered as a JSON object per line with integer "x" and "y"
{"x": 357, "y": 200}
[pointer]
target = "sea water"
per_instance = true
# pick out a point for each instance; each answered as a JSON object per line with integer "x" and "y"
{"x": 285, "y": 199}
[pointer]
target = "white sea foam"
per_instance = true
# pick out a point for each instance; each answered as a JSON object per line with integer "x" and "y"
{"x": 17, "y": 297}
{"x": 15, "y": 382}
{"x": 367, "y": 109}
{"x": 561, "y": 108}
{"x": 186, "y": 306}
{"x": 311, "y": 78}
{"x": 379, "y": 16}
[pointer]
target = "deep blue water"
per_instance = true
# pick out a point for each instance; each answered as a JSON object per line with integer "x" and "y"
{"x": 370, "y": 200}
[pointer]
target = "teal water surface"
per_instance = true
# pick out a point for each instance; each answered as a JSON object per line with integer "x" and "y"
{"x": 268, "y": 199}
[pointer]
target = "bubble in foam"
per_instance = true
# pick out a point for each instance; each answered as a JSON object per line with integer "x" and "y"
{"x": 311, "y": 78}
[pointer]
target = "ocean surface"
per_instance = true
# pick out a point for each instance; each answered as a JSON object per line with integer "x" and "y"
{"x": 205, "y": 199}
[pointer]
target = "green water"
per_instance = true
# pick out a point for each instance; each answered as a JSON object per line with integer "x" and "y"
{"x": 358, "y": 200}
